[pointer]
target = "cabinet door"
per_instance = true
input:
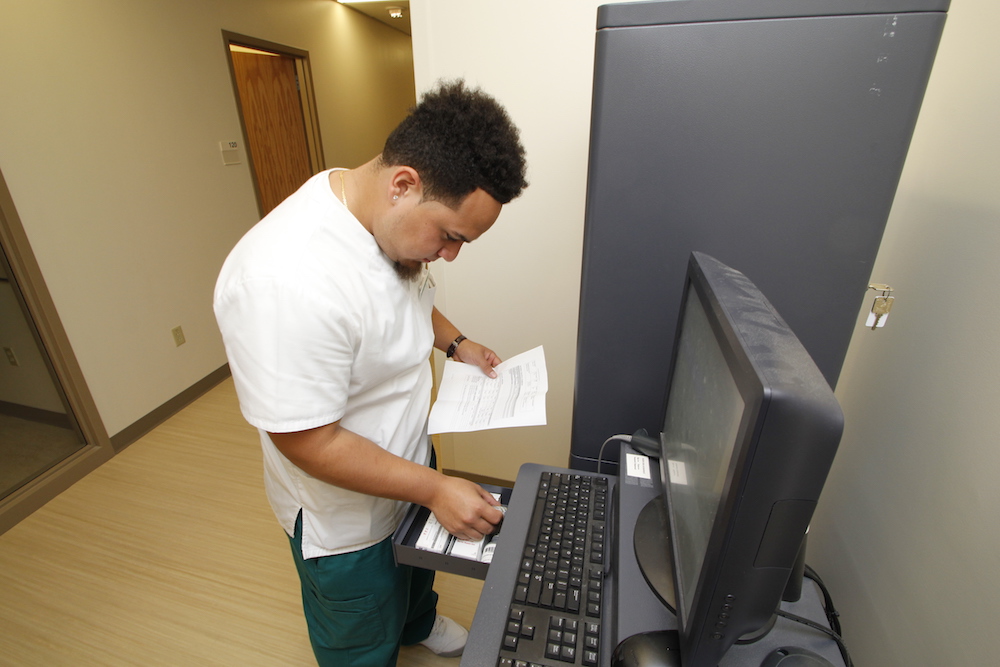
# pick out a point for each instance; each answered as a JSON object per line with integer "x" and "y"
{"x": 773, "y": 145}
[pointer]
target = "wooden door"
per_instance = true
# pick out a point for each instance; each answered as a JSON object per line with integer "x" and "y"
{"x": 275, "y": 124}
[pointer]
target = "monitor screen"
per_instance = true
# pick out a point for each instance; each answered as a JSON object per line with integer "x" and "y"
{"x": 699, "y": 435}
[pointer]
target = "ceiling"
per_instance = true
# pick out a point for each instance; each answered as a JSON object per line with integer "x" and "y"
{"x": 380, "y": 12}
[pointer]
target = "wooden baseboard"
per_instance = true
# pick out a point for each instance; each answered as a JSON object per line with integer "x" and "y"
{"x": 37, "y": 415}
{"x": 131, "y": 433}
{"x": 480, "y": 479}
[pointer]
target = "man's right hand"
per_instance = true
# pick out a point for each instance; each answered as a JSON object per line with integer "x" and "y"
{"x": 465, "y": 509}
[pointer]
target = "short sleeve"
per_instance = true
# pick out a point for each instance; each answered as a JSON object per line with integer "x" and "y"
{"x": 290, "y": 353}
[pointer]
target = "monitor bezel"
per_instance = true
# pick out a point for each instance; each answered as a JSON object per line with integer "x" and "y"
{"x": 753, "y": 394}
{"x": 786, "y": 442}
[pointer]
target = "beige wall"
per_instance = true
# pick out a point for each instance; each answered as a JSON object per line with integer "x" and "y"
{"x": 110, "y": 120}
{"x": 906, "y": 533}
{"x": 370, "y": 87}
{"x": 519, "y": 286}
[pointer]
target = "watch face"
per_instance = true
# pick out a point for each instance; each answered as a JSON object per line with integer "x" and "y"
{"x": 454, "y": 346}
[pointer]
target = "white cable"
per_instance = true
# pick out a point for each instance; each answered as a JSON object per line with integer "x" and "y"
{"x": 600, "y": 454}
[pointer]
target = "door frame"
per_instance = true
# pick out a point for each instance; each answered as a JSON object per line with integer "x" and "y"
{"x": 36, "y": 302}
{"x": 307, "y": 99}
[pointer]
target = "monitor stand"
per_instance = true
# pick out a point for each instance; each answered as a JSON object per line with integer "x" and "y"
{"x": 653, "y": 552}
{"x": 651, "y": 541}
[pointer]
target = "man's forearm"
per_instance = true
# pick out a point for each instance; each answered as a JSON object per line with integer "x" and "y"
{"x": 445, "y": 332}
{"x": 343, "y": 458}
{"x": 347, "y": 460}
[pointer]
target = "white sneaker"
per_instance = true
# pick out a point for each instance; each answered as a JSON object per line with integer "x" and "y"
{"x": 447, "y": 638}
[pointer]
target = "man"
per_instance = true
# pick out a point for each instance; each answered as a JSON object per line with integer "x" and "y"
{"x": 326, "y": 310}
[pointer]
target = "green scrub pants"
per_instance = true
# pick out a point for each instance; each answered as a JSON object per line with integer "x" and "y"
{"x": 360, "y": 607}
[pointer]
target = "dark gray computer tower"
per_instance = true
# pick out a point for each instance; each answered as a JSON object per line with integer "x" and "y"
{"x": 769, "y": 134}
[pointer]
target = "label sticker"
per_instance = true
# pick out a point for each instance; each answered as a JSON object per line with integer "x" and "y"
{"x": 678, "y": 472}
{"x": 636, "y": 465}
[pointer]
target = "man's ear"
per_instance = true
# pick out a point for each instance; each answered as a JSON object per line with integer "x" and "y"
{"x": 404, "y": 181}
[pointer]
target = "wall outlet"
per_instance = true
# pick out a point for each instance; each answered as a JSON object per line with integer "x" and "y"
{"x": 11, "y": 358}
{"x": 178, "y": 336}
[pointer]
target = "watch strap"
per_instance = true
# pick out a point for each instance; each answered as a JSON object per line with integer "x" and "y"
{"x": 454, "y": 346}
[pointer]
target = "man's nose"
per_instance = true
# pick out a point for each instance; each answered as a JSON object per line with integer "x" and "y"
{"x": 450, "y": 250}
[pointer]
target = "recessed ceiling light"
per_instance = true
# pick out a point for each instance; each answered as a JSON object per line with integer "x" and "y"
{"x": 396, "y": 12}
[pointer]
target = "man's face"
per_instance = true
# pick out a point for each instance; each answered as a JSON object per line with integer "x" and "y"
{"x": 421, "y": 231}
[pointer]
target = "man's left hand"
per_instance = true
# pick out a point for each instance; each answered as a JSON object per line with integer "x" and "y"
{"x": 471, "y": 352}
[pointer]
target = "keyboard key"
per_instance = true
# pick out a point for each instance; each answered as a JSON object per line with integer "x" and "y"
{"x": 548, "y": 590}
{"x": 573, "y": 601}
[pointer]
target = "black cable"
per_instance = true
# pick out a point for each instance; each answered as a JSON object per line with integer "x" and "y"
{"x": 832, "y": 615}
{"x": 827, "y": 631}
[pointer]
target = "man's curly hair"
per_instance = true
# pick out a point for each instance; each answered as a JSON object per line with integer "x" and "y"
{"x": 459, "y": 139}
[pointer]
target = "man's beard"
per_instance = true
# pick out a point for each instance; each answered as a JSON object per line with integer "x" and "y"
{"x": 408, "y": 272}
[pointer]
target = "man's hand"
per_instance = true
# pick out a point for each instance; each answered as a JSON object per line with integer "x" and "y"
{"x": 471, "y": 352}
{"x": 468, "y": 351}
{"x": 465, "y": 509}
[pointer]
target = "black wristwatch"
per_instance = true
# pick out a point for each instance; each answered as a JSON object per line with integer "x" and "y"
{"x": 454, "y": 346}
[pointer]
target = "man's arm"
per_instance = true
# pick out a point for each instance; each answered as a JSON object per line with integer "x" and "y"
{"x": 345, "y": 459}
{"x": 468, "y": 351}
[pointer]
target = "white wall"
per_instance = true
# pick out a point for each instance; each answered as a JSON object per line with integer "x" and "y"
{"x": 519, "y": 286}
{"x": 110, "y": 119}
{"x": 906, "y": 533}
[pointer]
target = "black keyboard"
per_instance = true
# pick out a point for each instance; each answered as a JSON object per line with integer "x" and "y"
{"x": 555, "y": 616}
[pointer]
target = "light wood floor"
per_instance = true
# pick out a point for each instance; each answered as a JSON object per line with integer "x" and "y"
{"x": 168, "y": 555}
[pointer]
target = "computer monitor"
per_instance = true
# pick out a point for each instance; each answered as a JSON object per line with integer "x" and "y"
{"x": 750, "y": 430}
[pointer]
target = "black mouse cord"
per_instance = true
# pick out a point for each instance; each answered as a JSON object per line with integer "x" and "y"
{"x": 816, "y": 626}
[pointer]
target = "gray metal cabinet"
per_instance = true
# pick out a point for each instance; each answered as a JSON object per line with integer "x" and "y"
{"x": 769, "y": 134}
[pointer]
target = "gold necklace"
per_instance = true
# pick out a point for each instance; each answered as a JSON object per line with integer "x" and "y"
{"x": 343, "y": 191}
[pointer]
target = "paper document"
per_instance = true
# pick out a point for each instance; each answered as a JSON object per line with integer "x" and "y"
{"x": 468, "y": 400}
